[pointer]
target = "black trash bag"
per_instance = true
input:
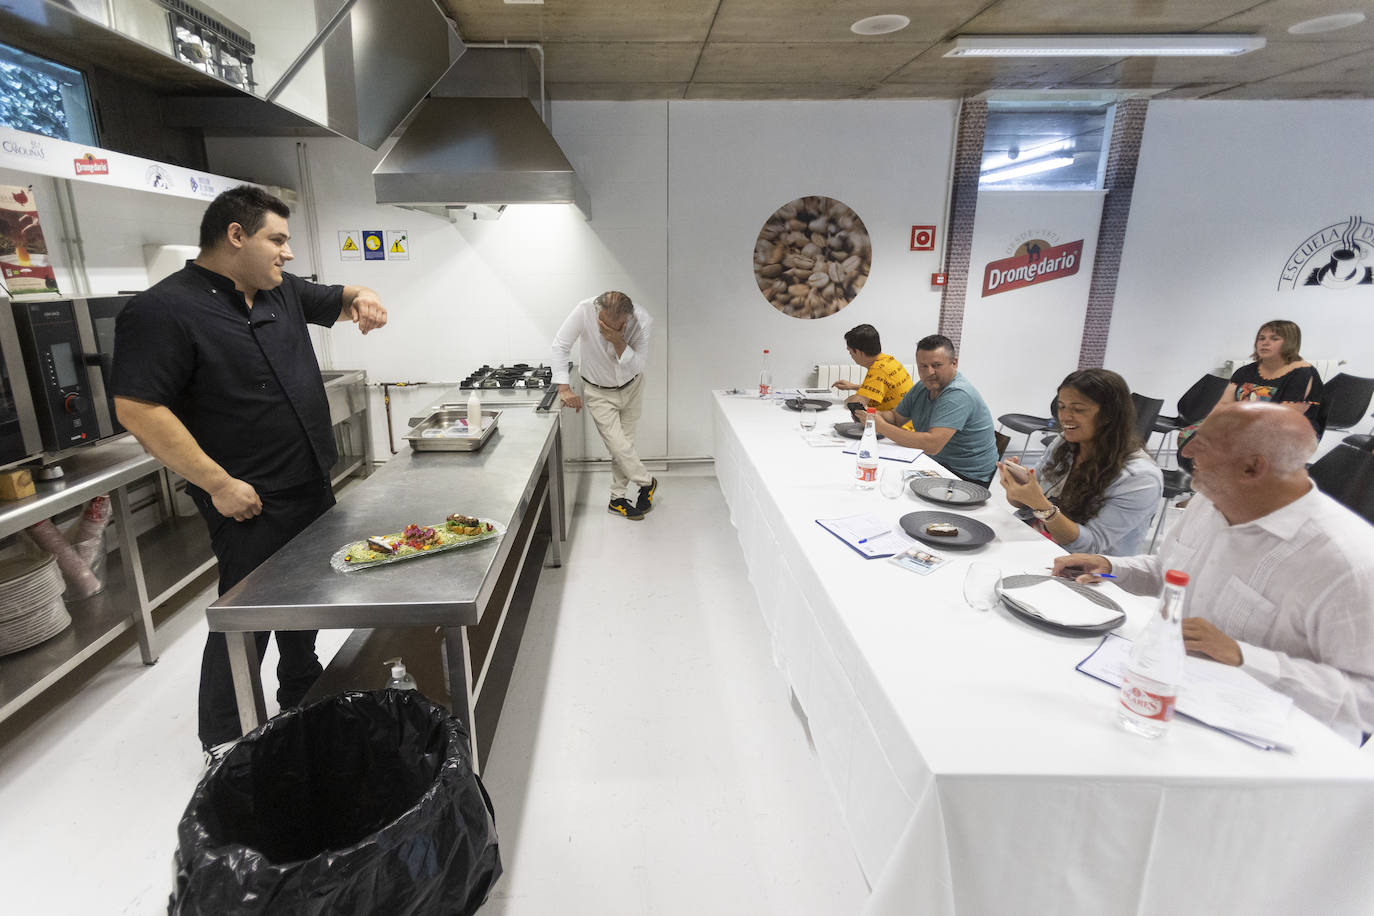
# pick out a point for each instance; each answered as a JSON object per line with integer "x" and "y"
{"x": 361, "y": 803}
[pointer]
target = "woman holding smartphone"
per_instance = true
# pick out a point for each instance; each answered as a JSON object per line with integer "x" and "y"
{"x": 1095, "y": 488}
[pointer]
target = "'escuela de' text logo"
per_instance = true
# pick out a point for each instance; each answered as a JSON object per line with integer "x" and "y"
{"x": 1336, "y": 257}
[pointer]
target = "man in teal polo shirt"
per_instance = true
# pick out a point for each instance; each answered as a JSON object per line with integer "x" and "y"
{"x": 950, "y": 422}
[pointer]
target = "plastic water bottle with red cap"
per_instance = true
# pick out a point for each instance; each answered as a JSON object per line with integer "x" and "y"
{"x": 1150, "y": 687}
{"x": 765, "y": 378}
{"x": 866, "y": 464}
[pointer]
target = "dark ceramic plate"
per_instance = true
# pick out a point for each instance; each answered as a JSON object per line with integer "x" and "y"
{"x": 1011, "y": 583}
{"x": 951, "y": 492}
{"x": 799, "y": 403}
{"x": 972, "y": 533}
{"x": 853, "y": 430}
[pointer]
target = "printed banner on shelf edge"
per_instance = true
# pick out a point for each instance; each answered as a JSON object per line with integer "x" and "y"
{"x": 24, "y": 263}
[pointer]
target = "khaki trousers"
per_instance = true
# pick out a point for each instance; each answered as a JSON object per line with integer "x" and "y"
{"x": 616, "y": 414}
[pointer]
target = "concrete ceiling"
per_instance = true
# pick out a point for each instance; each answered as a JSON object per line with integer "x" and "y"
{"x": 804, "y": 49}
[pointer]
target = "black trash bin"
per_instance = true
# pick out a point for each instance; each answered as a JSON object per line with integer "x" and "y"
{"x": 362, "y": 803}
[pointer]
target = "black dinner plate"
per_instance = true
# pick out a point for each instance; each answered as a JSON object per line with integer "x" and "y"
{"x": 799, "y": 403}
{"x": 853, "y": 430}
{"x": 1011, "y": 583}
{"x": 950, "y": 491}
{"x": 972, "y": 533}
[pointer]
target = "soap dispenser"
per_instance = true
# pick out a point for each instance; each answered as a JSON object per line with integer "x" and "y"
{"x": 400, "y": 677}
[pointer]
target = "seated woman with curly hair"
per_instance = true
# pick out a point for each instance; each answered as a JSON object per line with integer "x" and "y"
{"x": 1095, "y": 488}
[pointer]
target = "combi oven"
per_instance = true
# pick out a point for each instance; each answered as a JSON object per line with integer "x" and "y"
{"x": 68, "y": 350}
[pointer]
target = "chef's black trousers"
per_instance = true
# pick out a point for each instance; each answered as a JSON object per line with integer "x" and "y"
{"x": 240, "y": 547}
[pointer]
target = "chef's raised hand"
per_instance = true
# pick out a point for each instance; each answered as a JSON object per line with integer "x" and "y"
{"x": 236, "y": 499}
{"x": 364, "y": 308}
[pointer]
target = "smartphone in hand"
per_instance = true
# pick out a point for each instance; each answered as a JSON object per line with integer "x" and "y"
{"x": 1018, "y": 473}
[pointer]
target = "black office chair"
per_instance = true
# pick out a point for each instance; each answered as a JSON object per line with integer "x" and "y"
{"x": 1197, "y": 402}
{"x": 1176, "y": 483}
{"x": 1346, "y": 474}
{"x": 1028, "y": 424}
{"x": 1345, "y": 401}
{"x": 1361, "y": 442}
{"x": 1146, "y": 411}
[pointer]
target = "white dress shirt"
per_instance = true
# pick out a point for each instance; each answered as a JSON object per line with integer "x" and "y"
{"x": 1295, "y": 588}
{"x": 599, "y": 364}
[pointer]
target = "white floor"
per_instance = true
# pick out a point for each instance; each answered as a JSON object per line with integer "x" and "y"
{"x": 648, "y": 761}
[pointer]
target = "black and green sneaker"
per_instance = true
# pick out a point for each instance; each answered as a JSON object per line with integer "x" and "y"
{"x": 626, "y": 508}
{"x": 646, "y": 496}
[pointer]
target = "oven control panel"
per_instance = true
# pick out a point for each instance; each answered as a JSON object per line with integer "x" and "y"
{"x": 56, "y": 361}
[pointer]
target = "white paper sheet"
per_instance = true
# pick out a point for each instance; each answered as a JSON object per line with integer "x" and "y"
{"x": 871, "y": 535}
{"x": 1220, "y": 695}
{"x": 891, "y": 452}
{"x": 1058, "y": 604}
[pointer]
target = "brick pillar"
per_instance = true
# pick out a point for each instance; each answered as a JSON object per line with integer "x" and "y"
{"x": 963, "y": 205}
{"x": 1127, "y": 129}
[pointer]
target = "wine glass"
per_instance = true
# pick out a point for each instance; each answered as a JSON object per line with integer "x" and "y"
{"x": 890, "y": 482}
{"x": 981, "y": 584}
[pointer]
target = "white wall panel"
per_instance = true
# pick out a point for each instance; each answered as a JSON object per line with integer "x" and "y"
{"x": 1224, "y": 192}
{"x": 730, "y": 166}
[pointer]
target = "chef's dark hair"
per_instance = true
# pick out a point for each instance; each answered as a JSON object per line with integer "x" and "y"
{"x": 864, "y": 338}
{"x": 936, "y": 342}
{"x": 246, "y": 205}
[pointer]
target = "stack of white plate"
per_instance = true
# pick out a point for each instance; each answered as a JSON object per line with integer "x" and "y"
{"x": 31, "y": 606}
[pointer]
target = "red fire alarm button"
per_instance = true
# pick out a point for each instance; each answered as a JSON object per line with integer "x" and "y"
{"x": 937, "y": 279}
{"x": 922, "y": 238}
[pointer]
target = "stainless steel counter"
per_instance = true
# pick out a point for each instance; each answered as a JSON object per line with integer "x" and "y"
{"x": 514, "y": 477}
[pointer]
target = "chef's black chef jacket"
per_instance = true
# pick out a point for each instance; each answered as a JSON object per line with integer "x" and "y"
{"x": 245, "y": 382}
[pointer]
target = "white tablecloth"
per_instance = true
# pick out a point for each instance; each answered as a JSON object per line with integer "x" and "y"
{"x": 978, "y": 771}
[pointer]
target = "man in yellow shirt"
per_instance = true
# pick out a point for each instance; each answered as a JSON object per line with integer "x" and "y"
{"x": 887, "y": 380}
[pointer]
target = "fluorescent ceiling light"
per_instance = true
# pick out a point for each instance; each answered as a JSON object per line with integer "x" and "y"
{"x": 1027, "y": 155}
{"x": 1026, "y": 168}
{"x": 1194, "y": 45}
{"x": 1326, "y": 24}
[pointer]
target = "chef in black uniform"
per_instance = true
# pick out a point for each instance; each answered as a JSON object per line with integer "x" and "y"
{"x": 215, "y": 374}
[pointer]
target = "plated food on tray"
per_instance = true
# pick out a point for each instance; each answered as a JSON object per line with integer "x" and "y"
{"x": 414, "y": 540}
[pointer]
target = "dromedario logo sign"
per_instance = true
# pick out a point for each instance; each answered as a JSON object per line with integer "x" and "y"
{"x": 1335, "y": 257}
{"x": 1033, "y": 259}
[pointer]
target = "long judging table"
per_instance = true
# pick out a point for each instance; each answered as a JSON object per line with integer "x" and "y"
{"x": 979, "y": 773}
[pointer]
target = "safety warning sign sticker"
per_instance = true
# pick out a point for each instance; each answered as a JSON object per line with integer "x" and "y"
{"x": 372, "y": 245}
{"x": 350, "y": 245}
{"x": 397, "y": 245}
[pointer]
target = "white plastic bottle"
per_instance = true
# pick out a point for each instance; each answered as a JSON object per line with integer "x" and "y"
{"x": 474, "y": 413}
{"x": 866, "y": 464}
{"x": 1150, "y": 687}
{"x": 765, "y": 378}
{"x": 400, "y": 677}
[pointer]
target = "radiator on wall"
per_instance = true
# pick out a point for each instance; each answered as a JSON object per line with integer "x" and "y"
{"x": 828, "y": 375}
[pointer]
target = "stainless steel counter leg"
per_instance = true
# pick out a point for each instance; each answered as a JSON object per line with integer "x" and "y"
{"x": 243, "y": 663}
{"x": 458, "y": 662}
{"x": 133, "y": 573}
{"x": 558, "y": 531}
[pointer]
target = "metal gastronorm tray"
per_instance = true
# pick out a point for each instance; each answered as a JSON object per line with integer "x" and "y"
{"x": 443, "y": 419}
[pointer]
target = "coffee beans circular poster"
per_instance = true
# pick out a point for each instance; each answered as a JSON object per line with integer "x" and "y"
{"x": 812, "y": 257}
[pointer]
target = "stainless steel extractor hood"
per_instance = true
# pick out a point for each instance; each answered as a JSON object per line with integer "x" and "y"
{"x": 478, "y": 143}
{"x": 477, "y": 151}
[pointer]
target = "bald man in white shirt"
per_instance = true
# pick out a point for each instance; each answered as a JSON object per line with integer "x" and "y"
{"x": 1282, "y": 575}
{"x": 615, "y": 347}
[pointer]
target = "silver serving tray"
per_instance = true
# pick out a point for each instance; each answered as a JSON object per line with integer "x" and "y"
{"x": 436, "y": 432}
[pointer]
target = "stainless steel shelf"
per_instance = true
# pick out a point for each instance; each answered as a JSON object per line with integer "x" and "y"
{"x": 177, "y": 552}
